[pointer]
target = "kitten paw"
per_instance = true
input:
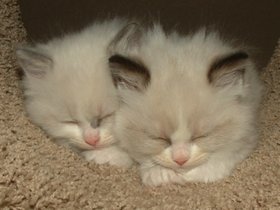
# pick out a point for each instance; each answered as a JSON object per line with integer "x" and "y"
{"x": 158, "y": 175}
{"x": 201, "y": 174}
{"x": 110, "y": 155}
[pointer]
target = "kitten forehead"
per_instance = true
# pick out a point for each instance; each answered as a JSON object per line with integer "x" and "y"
{"x": 192, "y": 53}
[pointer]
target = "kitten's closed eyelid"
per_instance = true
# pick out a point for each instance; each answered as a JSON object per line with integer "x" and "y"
{"x": 107, "y": 115}
{"x": 74, "y": 122}
{"x": 168, "y": 140}
{"x": 194, "y": 138}
{"x": 99, "y": 120}
{"x": 161, "y": 138}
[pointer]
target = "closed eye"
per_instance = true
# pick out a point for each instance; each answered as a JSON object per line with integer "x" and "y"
{"x": 74, "y": 122}
{"x": 161, "y": 139}
{"x": 100, "y": 119}
{"x": 107, "y": 115}
{"x": 199, "y": 137}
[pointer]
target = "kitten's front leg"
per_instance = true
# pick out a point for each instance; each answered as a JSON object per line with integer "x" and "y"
{"x": 112, "y": 155}
{"x": 157, "y": 175}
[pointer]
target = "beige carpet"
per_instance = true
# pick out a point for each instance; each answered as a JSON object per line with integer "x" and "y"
{"x": 37, "y": 174}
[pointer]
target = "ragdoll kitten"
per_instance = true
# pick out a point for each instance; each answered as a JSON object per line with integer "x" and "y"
{"x": 189, "y": 104}
{"x": 70, "y": 93}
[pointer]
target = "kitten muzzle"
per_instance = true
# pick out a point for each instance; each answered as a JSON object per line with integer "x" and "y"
{"x": 92, "y": 137}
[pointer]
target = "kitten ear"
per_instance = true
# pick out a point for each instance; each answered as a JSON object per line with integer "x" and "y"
{"x": 127, "y": 38}
{"x": 228, "y": 70}
{"x": 33, "y": 62}
{"x": 128, "y": 73}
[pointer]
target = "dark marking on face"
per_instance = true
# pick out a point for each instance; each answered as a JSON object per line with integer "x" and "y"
{"x": 227, "y": 69}
{"x": 129, "y": 72}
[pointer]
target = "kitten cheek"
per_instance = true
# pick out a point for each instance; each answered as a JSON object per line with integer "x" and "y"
{"x": 70, "y": 131}
{"x": 197, "y": 156}
{"x": 73, "y": 135}
{"x": 106, "y": 137}
{"x": 165, "y": 158}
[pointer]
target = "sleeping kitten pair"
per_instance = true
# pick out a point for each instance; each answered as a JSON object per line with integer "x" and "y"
{"x": 184, "y": 108}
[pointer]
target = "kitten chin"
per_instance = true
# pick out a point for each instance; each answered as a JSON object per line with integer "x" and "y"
{"x": 190, "y": 104}
{"x": 69, "y": 90}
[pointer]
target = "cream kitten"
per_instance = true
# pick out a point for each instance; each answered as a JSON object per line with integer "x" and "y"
{"x": 69, "y": 90}
{"x": 189, "y": 104}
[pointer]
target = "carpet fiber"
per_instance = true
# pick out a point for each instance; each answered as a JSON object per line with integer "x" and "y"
{"x": 37, "y": 174}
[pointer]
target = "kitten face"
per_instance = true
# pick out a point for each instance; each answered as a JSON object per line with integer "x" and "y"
{"x": 197, "y": 105}
{"x": 76, "y": 109}
{"x": 69, "y": 91}
{"x": 180, "y": 129}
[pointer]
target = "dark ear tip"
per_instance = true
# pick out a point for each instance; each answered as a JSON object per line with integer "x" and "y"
{"x": 226, "y": 69}
{"x": 134, "y": 23}
{"x": 227, "y": 60}
{"x": 133, "y": 26}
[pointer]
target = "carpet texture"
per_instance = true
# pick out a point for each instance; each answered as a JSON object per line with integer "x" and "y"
{"x": 37, "y": 174}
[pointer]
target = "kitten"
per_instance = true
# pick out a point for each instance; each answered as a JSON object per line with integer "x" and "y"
{"x": 189, "y": 104}
{"x": 69, "y": 90}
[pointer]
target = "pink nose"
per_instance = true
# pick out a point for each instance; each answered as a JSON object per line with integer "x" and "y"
{"x": 92, "y": 140}
{"x": 92, "y": 137}
{"x": 181, "y": 161}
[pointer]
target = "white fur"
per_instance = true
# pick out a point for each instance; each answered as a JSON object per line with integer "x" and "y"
{"x": 112, "y": 155}
{"x": 217, "y": 130}
{"x": 75, "y": 86}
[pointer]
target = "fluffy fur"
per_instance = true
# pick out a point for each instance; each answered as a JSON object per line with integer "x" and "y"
{"x": 193, "y": 118}
{"x": 69, "y": 90}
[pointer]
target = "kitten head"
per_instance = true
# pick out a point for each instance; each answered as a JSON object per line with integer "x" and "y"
{"x": 184, "y": 99}
{"x": 69, "y": 91}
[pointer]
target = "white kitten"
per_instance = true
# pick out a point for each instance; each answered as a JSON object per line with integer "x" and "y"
{"x": 189, "y": 104}
{"x": 70, "y": 93}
